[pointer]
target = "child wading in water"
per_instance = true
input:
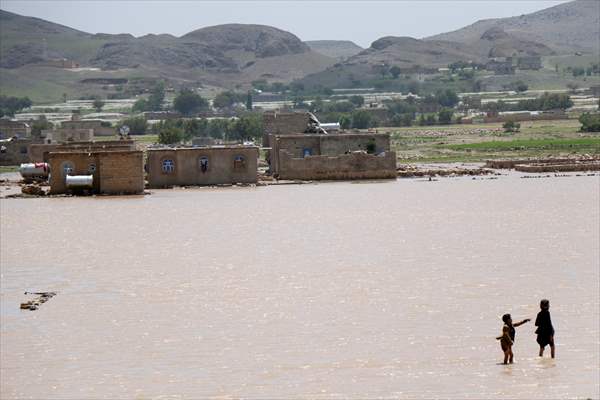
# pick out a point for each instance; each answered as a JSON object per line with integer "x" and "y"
{"x": 508, "y": 337}
{"x": 545, "y": 330}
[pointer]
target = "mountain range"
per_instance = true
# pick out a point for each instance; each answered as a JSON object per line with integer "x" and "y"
{"x": 236, "y": 54}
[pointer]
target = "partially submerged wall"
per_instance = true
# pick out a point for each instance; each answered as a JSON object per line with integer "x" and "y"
{"x": 353, "y": 156}
{"x": 114, "y": 172}
{"x": 351, "y": 166}
{"x": 202, "y": 166}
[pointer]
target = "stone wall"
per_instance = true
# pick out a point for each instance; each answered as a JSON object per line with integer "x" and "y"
{"x": 342, "y": 167}
{"x": 114, "y": 172}
{"x": 341, "y": 156}
{"x": 202, "y": 166}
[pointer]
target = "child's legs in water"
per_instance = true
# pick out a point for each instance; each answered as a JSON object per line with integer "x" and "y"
{"x": 512, "y": 356}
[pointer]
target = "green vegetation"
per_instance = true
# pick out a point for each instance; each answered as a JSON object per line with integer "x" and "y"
{"x": 247, "y": 126}
{"x": 137, "y": 125}
{"x": 591, "y": 144}
{"x": 9, "y": 168}
{"x": 548, "y": 101}
{"x": 511, "y": 126}
{"x": 189, "y": 103}
{"x": 98, "y": 104}
{"x": 154, "y": 102}
{"x": 228, "y": 98}
{"x": 590, "y": 122}
{"x": 10, "y": 105}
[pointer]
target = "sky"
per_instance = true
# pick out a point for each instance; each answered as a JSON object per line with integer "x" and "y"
{"x": 359, "y": 21}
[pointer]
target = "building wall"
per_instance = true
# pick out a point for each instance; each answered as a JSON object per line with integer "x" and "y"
{"x": 38, "y": 152}
{"x": 10, "y": 128}
{"x": 115, "y": 172}
{"x": 342, "y": 167}
{"x": 95, "y": 125}
{"x": 66, "y": 135}
{"x": 14, "y": 151}
{"x": 314, "y": 157}
{"x": 187, "y": 167}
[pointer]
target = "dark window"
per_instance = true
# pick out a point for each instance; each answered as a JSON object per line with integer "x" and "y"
{"x": 168, "y": 166}
{"x": 23, "y": 149}
{"x": 203, "y": 164}
{"x": 239, "y": 163}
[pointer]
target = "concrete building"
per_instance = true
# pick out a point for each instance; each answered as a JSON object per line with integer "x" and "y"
{"x": 38, "y": 152}
{"x": 9, "y": 128}
{"x": 67, "y": 135}
{"x": 202, "y": 166}
{"x": 114, "y": 172}
{"x": 333, "y": 157}
{"x": 14, "y": 151}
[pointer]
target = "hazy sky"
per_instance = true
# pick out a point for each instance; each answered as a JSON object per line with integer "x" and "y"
{"x": 359, "y": 21}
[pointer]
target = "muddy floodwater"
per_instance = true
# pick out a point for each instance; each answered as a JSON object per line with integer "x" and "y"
{"x": 331, "y": 290}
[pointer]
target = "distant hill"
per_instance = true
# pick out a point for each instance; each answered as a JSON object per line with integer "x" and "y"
{"x": 339, "y": 49}
{"x": 222, "y": 55}
{"x": 565, "y": 28}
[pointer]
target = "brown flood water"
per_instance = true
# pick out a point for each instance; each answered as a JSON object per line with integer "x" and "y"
{"x": 335, "y": 290}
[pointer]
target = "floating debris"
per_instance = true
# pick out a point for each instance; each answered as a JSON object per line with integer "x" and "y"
{"x": 35, "y": 303}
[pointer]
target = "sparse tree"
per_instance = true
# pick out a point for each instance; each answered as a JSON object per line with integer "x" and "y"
{"x": 188, "y": 102}
{"x": 395, "y": 71}
{"x": 98, "y": 104}
{"x": 511, "y": 126}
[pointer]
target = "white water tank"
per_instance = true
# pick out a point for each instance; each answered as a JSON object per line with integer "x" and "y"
{"x": 79, "y": 181}
{"x": 37, "y": 170}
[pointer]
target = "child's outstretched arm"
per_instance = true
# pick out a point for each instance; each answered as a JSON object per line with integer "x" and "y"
{"x": 521, "y": 322}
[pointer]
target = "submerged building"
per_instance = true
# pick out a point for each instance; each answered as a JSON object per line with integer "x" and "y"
{"x": 215, "y": 165}
{"x": 103, "y": 172}
{"x": 332, "y": 157}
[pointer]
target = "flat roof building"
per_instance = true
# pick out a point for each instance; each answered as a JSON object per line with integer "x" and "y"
{"x": 202, "y": 166}
{"x": 113, "y": 172}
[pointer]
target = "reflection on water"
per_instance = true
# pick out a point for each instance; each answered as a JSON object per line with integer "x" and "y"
{"x": 316, "y": 291}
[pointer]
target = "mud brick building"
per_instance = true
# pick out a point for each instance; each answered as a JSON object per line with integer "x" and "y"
{"x": 202, "y": 166}
{"x": 9, "y": 128}
{"x": 38, "y": 152}
{"x": 333, "y": 157}
{"x": 114, "y": 172}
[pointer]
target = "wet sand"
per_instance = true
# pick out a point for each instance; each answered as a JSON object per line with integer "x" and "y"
{"x": 332, "y": 290}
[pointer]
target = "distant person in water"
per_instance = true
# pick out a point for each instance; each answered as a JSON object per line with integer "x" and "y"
{"x": 508, "y": 337}
{"x": 545, "y": 330}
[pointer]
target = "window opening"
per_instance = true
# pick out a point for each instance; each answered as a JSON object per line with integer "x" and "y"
{"x": 168, "y": 166}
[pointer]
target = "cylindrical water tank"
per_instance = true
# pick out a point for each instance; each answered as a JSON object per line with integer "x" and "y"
{"x": 79, "y": 181}
{"x": 37, "y": 170}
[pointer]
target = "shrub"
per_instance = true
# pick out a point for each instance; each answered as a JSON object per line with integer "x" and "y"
{"x": 511, "y": 126}
{"x": 590, "y": 122}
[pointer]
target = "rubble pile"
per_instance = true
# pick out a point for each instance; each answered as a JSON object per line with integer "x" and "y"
{"x": 411, "y": 171}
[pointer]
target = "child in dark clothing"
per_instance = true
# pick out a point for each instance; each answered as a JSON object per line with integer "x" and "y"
{"x": 545, "y": 330}
{"x": 508, "y": 336}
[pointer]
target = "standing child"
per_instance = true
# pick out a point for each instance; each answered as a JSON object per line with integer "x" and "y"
{"x": 508, "y": 336}
{"x": 545, "y": 330}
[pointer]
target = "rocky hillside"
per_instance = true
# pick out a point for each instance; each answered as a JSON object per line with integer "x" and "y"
{"x": 566, "y": 28}
{"x": 339, "y": 49}
{"x": 224, "y": 54}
